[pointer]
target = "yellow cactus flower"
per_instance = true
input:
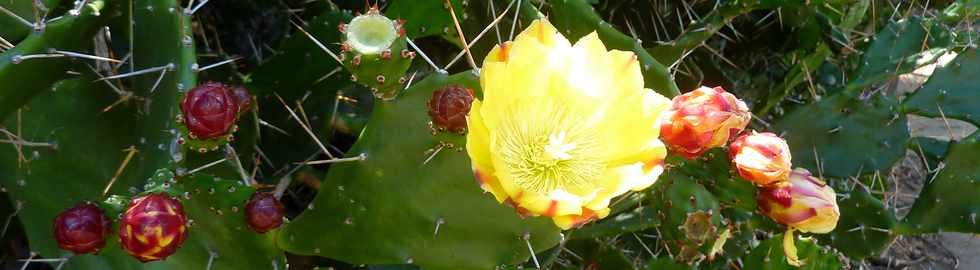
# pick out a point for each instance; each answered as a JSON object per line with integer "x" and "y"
{"x": 563, "y": 128}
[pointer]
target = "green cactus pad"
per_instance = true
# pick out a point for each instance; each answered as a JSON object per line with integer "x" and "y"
{"x": 12, "y": 29}
{"x": 769, "y": 255}
{"x": 689, "y": 214}
{"x": 865, "y": 225}
{"x": 849, "y": 135}
{"x": 22, "y": 78}
{"x": 359, "y": 202}
{"x": 899, "y": 48}
{"x": 951, "y": 91}
{"x": 426, "y": 17}
{"x": 948, "y": 201}
{"x": 638, "y": 219}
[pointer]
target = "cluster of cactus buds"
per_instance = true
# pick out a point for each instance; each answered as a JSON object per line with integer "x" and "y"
{"x": 448, "y": 108}
{"x": 702, "y": 119}
{"x": 209, "y": 113}
{"x": 153, "y": 227}
{"x": 82, "y": 229}
{"x": 375, "y": 52}
{"x": 263, "y": 212}
{"x": 709, "y": 117}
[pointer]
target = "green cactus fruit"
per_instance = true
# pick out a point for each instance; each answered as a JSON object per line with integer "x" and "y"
{"x": 375, "y": 52}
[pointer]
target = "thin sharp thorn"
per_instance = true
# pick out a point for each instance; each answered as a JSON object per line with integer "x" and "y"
{"x": 282, "y": 185}
{"x": 27, "y": 143}
{"x": 18, "y": 18}
{"x": 190, "y": 4}
{"x": 277, "y": 129}
{"x": 644, "y": 245}
{"x": 218, "y": 64}
{"x": 19, "y": 206}
{"x": 426, "y": 57}
{"x": 681, "y": 59}
{"x": 329, "y": 74}
{"x": 122, "y": 166}
{"x": 211, "y": 254}
{"x": 62, "y": 263}
{"x": 410, "y": 79}
{"x": 6, "y": 43}
{"x": 29, "y": 260}
{"x": 361, "y": 157}
{"x": 305, "y": 127}
{"x": 336, "y": 108}
{"x": 716, "y": 53}
{"x": 318, "y": 43}
{"x": 19, "y": 58}
{"x": 205, "y": 166}
{"x": 230, "y": 151}
{"x": 433, "y": 155}
{"x": 462, "y": 37}
{"x": 922, "y": 156}
{"x": 493, "y": 12}
{"x": 758, "y": 23}
{"x": 159, "y": 79}
{"x": 123, "y": 60}
{"x": 949, "y": 129}
{"x": 478, "y": 36}
{"x": 44, "y": 260}
{"x": 86, "y": 56}
{"x": 196, "y": 7}
{"x": 527, "y": 239}
{"x": 138, "y": 72}
{"x": 439, "y": 223}
{"x": 513, "y": 25}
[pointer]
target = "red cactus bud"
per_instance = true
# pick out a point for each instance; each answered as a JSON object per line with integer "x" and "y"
{"x": 449, "y": 106}
{"x": 153, "y": 227}
{"x": 242, "y": 97}
{"x": 209, "y": 110}
{"x": 263, "y": 212}
{"x": 702, "y": 119}
{"x": 82, "y": 229}
{"x": 804, "y": 203}
{"x": 762, "y": 158}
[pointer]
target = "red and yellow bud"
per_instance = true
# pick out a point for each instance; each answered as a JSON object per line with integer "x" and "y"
{"x": 82, "y": 229}
{"x": 762, "y": 158}
{"x": 153, "y": 227}
{"x": 449, "y": 106}
{"x": 263, "y": 212}
{"x": 803, "y": 203}
{"x": 702, "y": 119}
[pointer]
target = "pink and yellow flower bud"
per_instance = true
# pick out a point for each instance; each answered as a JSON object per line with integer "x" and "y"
{"x": 803, "y": 203}
{"x": 702, "y": 119}
{"x": 762, "y": 158}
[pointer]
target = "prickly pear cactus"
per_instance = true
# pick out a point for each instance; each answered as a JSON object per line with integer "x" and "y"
{"x": 166, "y": 134}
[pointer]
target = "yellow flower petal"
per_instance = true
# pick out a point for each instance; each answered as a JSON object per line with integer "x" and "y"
{"x": 789, "y": 248}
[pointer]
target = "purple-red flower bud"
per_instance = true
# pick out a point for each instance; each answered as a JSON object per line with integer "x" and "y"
{"x": 449, "y": 106}
{"x": 82, "y": 229}
{"x": 263, "y": 212}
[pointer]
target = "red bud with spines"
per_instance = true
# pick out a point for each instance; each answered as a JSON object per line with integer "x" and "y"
{"x": 702, "y": 119}
{"x": 82, "y": 229}
{"x": 153, "y": 227}
{"x": 210, "y": 109}
{"x": 263, "y": 212}
{"x": 449, "y": 107}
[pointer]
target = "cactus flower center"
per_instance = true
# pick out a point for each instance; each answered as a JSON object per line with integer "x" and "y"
{"x": 543, "y": 159}
{"x": 371, "y": 33}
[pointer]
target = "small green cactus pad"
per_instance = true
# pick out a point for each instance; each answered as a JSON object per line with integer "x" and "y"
{"x": 948, "y": 201}
{"x": 202, "y": 146}
{"x": 769, "y": 255}
{"x": 577, "y": 18}
{"x": 359, "y": 202}
{"x": 849, "y": 135}
{"x": 376, "y": 53}
{"x": 865, "y": 225}
{"x": 22, "y": 77}
{"x": 951, "y": 91}
{"x": 901, "y": 47}
{"x": 427, "y": 17}
{"x": 689, "y": 214}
